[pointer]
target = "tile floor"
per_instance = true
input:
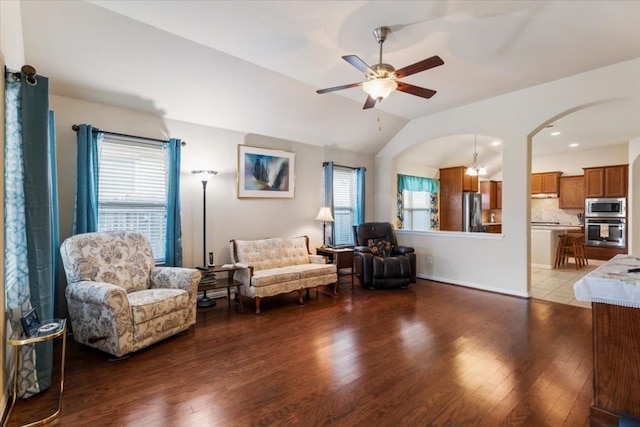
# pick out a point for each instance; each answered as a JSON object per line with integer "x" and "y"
{"x": 557, "y": 284}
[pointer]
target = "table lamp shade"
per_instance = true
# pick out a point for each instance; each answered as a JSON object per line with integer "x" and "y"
{"x": 325, "y": 214}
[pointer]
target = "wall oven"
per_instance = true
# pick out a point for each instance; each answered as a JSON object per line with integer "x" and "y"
{"x": 605, "y": 208}
{"x": 609, "y": 232}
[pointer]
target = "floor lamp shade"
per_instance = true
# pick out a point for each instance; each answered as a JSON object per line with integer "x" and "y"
{"x": 324, "y": 215}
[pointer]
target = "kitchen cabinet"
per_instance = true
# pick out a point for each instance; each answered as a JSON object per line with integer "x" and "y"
{"x": 489, "y": 191}
{"x": 606, "y": 181}
{"x": 499, "y": 195}
{"x": 546, "y": 182}
{"x": 469, "y": 182}
{"x": 571, "y": 192}
{"x": 453, "y": 182}
{"x": 494, "y": 228}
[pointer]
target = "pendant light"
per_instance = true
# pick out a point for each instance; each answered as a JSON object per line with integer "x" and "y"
{"x": 475, "y": 169}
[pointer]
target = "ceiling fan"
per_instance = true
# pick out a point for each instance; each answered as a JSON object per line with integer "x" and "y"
{"x": 382, "y": 78}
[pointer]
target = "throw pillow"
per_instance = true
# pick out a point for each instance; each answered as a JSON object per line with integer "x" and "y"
{"x": 380, "y": 247}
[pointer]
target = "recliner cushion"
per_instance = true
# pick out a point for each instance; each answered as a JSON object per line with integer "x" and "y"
{"x": 151, "y": 303}
{"x": 391, "y": 267}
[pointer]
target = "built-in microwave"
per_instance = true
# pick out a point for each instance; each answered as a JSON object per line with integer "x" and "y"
{"x": 611, "y": 208}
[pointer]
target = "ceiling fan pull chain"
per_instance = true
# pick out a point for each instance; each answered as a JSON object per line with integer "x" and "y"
{"x": 379, "y": 127}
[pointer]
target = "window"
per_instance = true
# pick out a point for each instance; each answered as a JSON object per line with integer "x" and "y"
{"x": 343, "y": 191}
{"x": 132, "y": 193}
{"x": 345, "y": 199}
{"x": 416, "y": 210}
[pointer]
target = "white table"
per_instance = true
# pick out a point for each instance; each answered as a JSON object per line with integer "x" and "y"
{"x": 611, "y": 283}
{"x": 614, "y": 294}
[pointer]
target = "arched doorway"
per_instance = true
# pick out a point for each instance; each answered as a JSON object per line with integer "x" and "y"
{"x": 595, "y": 135}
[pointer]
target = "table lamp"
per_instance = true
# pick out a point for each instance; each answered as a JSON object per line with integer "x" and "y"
{"x": 324, "y": 215}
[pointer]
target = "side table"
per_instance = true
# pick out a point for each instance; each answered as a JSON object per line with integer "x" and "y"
{"x": 49, "y": 330}
{"x": 212, "y": 283}
{"x": 342, "y": 258}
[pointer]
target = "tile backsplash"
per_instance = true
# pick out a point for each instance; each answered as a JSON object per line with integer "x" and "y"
{"x": 547, "y": 210}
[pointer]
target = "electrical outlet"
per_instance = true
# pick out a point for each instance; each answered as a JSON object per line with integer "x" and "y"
{"x": 429, "y": 259}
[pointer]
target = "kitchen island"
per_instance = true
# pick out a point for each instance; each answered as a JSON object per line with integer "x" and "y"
{"x": 544, "y": 241}
{"x": 614, "y": 293}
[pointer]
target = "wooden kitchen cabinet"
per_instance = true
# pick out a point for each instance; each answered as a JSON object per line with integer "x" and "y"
{"x": 453, "y": 182}
{"x": 469, "y": 182}
{"x": 571, "y": 192}
{"x": 499, "y": 195}
{"x": 546, "y": 182}
{"x": 494, "y": 228}
{"x": 606, "y": 181}
{"x": 489, "y": 191}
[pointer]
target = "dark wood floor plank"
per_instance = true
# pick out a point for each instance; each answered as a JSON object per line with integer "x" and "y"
{"x": 430, "y": 355}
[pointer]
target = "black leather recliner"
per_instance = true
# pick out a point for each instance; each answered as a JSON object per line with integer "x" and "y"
{"x": 397, "y": 269}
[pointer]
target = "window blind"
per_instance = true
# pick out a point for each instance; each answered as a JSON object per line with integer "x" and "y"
{"x": 416, "y": 210}
{"x": 132, "y": 191}
{"x": 344, "y": 204}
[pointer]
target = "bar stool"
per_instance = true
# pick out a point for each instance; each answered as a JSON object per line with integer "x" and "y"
{"x": 571, "y": 245}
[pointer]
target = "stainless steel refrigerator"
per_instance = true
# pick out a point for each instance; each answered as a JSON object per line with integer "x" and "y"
{"x": 472, "y": 212}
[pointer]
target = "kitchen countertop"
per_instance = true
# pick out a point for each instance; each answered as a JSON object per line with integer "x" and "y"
{"x": 556, "y": 227}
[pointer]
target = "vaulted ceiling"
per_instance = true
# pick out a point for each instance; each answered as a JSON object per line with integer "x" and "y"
{"x": 255, "y": 66}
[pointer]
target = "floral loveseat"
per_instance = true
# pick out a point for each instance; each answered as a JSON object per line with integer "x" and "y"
{"x": 279, "y": 265}
{"x": 118, "y": 301}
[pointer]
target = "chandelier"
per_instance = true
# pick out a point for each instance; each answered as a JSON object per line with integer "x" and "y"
{"x": 475, "y": 169}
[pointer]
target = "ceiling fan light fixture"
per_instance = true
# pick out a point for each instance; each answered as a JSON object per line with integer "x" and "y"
{"x": 379, "y": 89}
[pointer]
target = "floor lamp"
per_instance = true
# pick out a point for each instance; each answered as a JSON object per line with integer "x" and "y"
{"x": 324, "y": 215}
{"x": 204, "y": 175}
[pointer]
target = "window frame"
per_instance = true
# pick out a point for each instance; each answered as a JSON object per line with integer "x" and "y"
{"x": 144, "y": 165}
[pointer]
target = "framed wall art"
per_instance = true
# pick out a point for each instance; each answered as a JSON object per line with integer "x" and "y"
{"x": 265, "y": 173}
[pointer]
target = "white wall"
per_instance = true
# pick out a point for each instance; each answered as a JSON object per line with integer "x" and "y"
{"x": 11, "y": 42}
{"x": 571, "y": 163}
{"x": 485, "y": 262}
{"x": 210, "y": 148}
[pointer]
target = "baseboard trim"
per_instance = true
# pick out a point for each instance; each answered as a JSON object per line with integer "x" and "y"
{"x": 475, "y": 286}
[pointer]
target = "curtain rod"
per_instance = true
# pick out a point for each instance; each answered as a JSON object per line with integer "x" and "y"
{"x": 342, "y": 166}
{"x": 96, "y": 130}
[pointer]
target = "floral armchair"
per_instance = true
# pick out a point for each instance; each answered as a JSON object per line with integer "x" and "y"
{"x": 118, "y": 301}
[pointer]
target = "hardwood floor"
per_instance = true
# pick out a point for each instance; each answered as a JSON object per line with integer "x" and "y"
{"x": 430, "y": 355}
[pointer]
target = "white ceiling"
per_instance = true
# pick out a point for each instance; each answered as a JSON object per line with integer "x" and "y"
{"x": 254, "y": 66}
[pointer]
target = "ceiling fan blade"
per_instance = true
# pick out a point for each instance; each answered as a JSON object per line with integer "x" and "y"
{"x": 333, "y": 89}
{"x": 415, "y": 90}
{"x": 425, "y": 64}
{"x": 359, "y": 64}
{"x": 369, "y": 103}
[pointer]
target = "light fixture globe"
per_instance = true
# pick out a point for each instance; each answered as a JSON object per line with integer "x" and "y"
{"x": 379, "y": 89}
{"x": 475, "y": 169}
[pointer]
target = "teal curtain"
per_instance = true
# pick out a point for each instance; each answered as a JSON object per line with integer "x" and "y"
{"x": 31, "y": 221}
{"x": 360, "y": 196}
{"x": 85, "y": 214}
{"x": 417, "y": 183}
{"x": 328, "y": 195}
{"x": 173, "y": 244}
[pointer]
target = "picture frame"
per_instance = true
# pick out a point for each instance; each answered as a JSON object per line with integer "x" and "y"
{"x": 265, "y": 173}
{"x": 30, "y": 322}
